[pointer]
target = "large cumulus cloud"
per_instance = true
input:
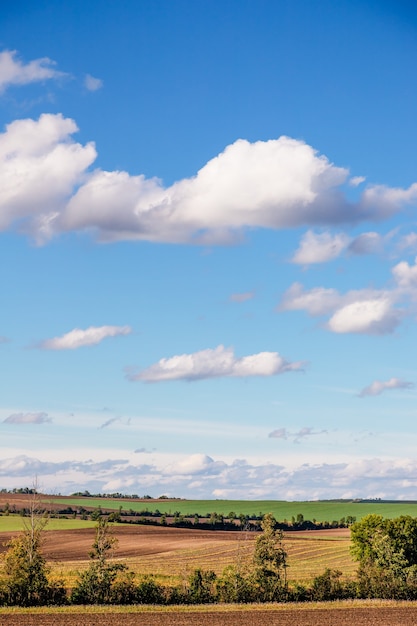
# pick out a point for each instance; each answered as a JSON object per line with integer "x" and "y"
{"x": 47, "y": 187}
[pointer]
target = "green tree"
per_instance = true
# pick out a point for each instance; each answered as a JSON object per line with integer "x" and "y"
{"x": 270, "y": 560}
{"x": 97, "y": 584}
{"x": 26, "y": 580}
{"x": 387, "y": 554}
{"x": 201, "y": 587}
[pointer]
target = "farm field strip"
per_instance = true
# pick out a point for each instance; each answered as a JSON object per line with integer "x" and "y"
{"x": 307, "y": 558}
{"x": 361, "y": 613}
{"x": 320, "y": 510}
{"x": 15, "y": 523}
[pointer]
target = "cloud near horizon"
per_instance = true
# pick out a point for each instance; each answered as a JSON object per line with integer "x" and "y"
{"x": 215, "y": 363}
{"x": 79, "y": 338}
{"x": 47, "y": 189}
{"x": 379, "y": 386}
{"x": 200, "y": 476}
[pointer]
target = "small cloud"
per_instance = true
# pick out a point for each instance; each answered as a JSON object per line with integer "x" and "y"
{"x": 319, "y": 248}
{"x": 408, "y": 241}
{"x": 143, "y": 451}
{"x": 242, "y": 297}
{"x": 4, "y": 339}
{"x": 374, "y": 317}
{"x": 307, "y": 431}
{"x": 15, "y": 72}
{"x": 379, "y": 386}
{"x": 279, "y": 433}
{"x": 296, "y": 437}
{"x": 109, "y": 422}
{"x": 27, "y": 418}
{"x": 366, "y": 243}
{"x": 405, "y": 275}
{"x": 217, "y": 363}
{"x": 91, "y": 83}
{"x": 355, "y": 181}
{"x": 366, "y": 311}
{"x": 79, "y": 338}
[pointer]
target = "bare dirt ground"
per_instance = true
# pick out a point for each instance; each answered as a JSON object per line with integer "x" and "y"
{"x": 134, "y": 541}
{"x": 140, "y": 540}
{"x": 300, "y": 616}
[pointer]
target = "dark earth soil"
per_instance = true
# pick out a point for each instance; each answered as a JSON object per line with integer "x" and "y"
{"x": 378, "y": 616}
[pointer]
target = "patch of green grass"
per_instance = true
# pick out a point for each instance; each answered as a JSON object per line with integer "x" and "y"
{"x": 15, "y": 523}
{"x": 320, "y": 511}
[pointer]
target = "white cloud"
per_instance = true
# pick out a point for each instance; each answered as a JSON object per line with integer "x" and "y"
{"x": 91, "y": 83}
{"x": 319, "y": 247}
{"x": 375, "y": 317}
{"x": 242, "y": 297}
{"x": 355, "y": 181}
{"x": 220, "y": 362}
{"x": 406, "y": 275}
{"x": 14, "y": 72}
{"x": 200, "y": 476}
{"x": 78, "y": 338}
{"x": 27, "y": 418}
{"x": 46, "y": 182}
{"x": 193, "y": 465}
{"x": 363, "y": 311}
{"x": 39, "y": 168}
{"x": 381, "y": 202}
{"x": 379, "y": 386}
{"x": 317, "y": 301}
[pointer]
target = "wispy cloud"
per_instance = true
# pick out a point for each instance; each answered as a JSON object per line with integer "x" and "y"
{"x": 91, "y": 83}
{"x": 297, "y": 436}
{"x": 109, "y": 422}
{"x": 215, "y": 363}
{"x": 379, "y": 386}
{"x": 355, "y": 181}
{"x": 14, "y": 72}
{"x": 79, "y": 338}
{"x": 27, "y": 418}
{"x": 242, "y": 297}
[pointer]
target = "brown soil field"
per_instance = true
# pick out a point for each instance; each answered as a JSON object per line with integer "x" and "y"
{"x": 140, "y": 540}
{"x": 280, "y": 616}
{"x": 134, "y": 541}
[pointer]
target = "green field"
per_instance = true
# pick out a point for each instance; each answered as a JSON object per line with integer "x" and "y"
{"x": 321, "y": 510}
{"x": 15, "y": 523}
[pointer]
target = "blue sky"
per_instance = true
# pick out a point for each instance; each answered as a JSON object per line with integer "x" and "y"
{"x": 208, "y": 248}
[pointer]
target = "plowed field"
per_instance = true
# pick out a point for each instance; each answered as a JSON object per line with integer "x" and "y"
{"x": 295, "y": 616}
{"x": 172, "y": 553}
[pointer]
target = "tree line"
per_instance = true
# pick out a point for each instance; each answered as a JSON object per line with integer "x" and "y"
{"x": 210, "y": 521}
{"x": 386, "y": 551}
